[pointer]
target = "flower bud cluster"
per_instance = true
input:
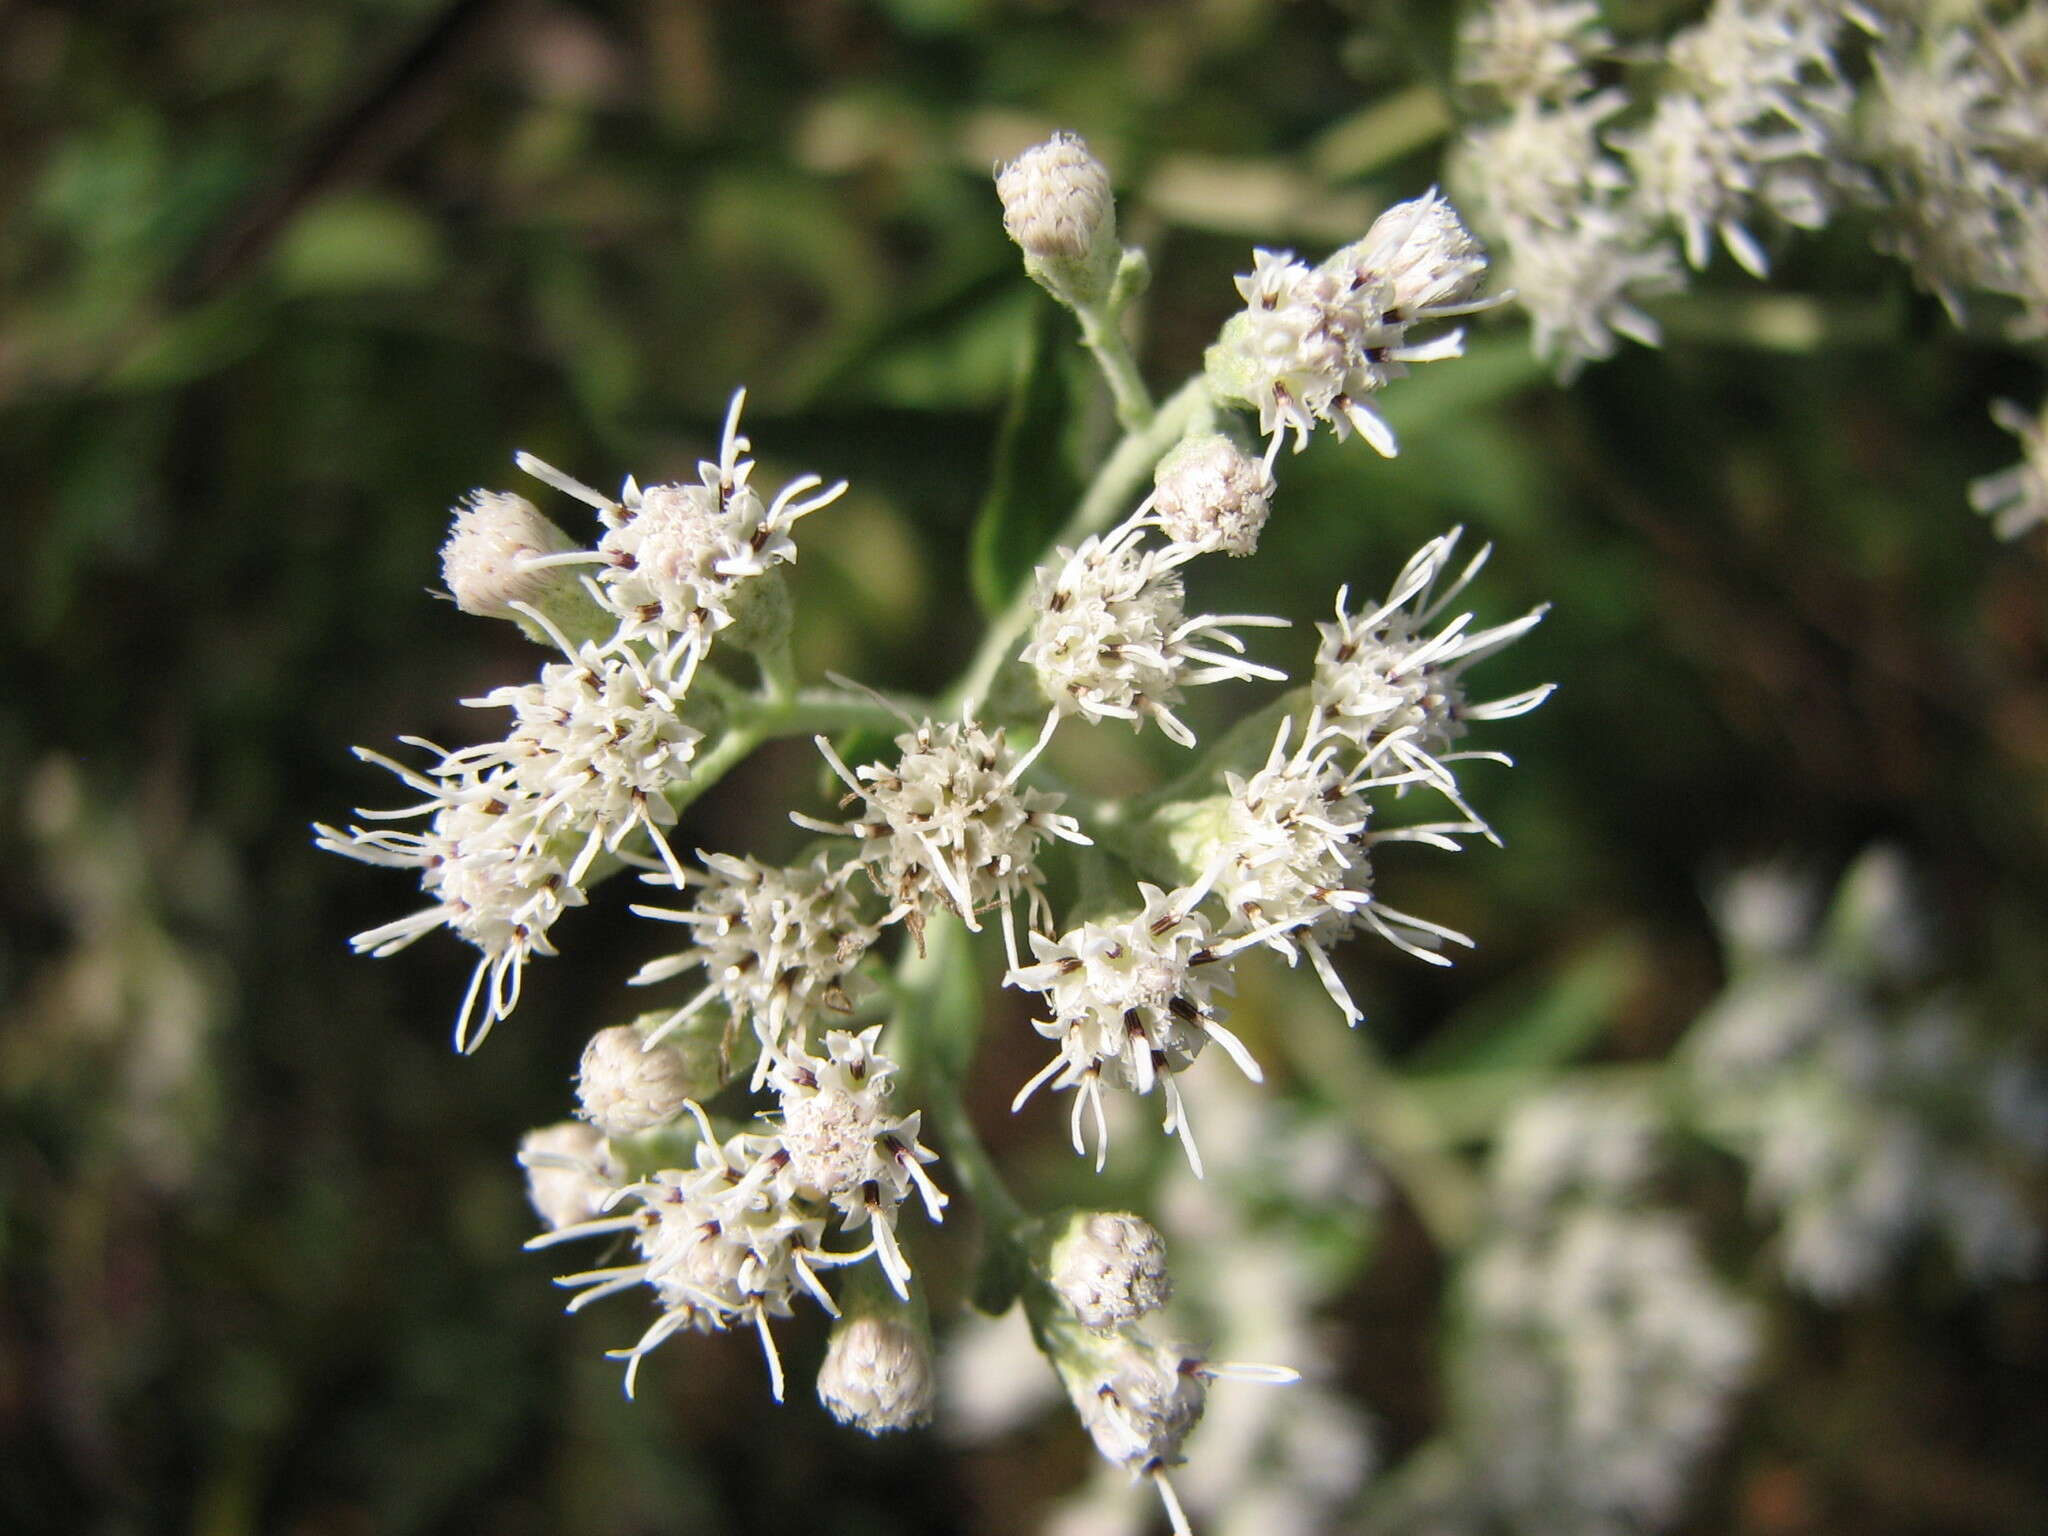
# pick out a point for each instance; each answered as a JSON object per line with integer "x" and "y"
{"x": 603, "y": 737}
{"x": 1209, "y": 494}
{"x": 1313, "y": 342}
{"x": 732, "y": 1240}
{"x": 878, "y": 1372}
{"x": 499, "y": 560}
{"x": 1108, "y": 1268}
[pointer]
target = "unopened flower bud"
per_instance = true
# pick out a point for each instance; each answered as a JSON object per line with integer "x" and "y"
{"x": 1423, "y": 254}
{"x": 877, "y": 1375}
{"x": 490, "y": 562}
{"x": 1057, "y": 205}
{"x": 569, "y": 1173}
{"x": 1210, "y": 493}
{"x": 625, "y": 1088}
{"x": 1109, "y": 1268}
{"x": 1141, "y": 1401}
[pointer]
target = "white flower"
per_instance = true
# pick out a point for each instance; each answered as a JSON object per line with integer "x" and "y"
{"x": 1542, "y": 165}
{"x": 1597, "y": 1363}
{"x": 1585, "y": 286}
{"x": 1209, "y": 494}
{"x": 716, "y": 1244}
{"x": 839, "y": 1143}
{"x": 2016, "y": 499}
{"x": 1132, "y": 1000}
{"x": 1289, "y": 855}
{"x": 1111, "y": 640}
{"x": 595, "y": 743}
{"x": 496, "y": 879}
{"x": 1752, "y": 123}
{"x": 1572, "y": 1143}
{"x": 1109, "y": 1268}
{"x": 625, "y": 1086}
{"x": 1312, "y": 342}
{"x": 1955, "y": 133}
{"x": 949, "y": 825}
{"x": 676, "y": 560}
{"x": 1531, "y": 48}
{"x": 877, "y": 1373}
{"x": 1868, "y": 1118}
{"x": 570, "y": 1173}
{"x": 775, "y": 944}
{"x": 1384, "y": 684}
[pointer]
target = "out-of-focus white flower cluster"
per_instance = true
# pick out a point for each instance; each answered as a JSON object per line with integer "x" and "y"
{"x": 1872, "y": 1109}
{"x": 1752, "y": 123}
{"x": 1597, "y": 1354}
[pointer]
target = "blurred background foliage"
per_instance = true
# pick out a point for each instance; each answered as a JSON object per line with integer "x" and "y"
{"x": 279, "y": 282}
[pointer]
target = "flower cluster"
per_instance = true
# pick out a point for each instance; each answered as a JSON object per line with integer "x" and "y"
{"x": 1581, "y": 252}
{"x": 749, "y": 1136}
{"x": 1750, "y": 121}
{"x": 601, "y": 741}
{"x": 1871, "y": 1108}
{"x": 1598, "y": 1354}
{"x": 1313, "y": 342}
{"x": 1111, "y": 639}
{"x": 731, "y": 1241}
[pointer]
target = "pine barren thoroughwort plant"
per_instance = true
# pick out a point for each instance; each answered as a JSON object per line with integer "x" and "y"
{"x": 795, "y": 1086}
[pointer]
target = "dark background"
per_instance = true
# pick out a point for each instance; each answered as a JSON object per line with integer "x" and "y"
{"x": 280, "y": 281}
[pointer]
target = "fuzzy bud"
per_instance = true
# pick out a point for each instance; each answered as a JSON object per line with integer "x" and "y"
{"x": 1109, "y": 1268}
{"x": 625, "y": 1088}
{"x": 1209, "y": 493}
{"x": 1138, "y": 1398}
{"x": 488, "y": 564}
{"x": 1057, "y": 205}
{"x": 569, "y": 1172}
{"x": 877, "y": 1375}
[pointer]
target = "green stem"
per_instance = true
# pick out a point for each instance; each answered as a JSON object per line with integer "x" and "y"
{"x": 756, "y": 718}
{"x": 1104, "y": 337}
{"x": 938, "y": 1025}
{"x": 1113, "y": 490}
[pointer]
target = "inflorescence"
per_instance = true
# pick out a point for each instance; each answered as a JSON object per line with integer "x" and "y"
{"x": 762, "y": 1129}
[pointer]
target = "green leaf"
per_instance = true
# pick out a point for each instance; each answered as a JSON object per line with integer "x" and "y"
{"x": 1032, "y": 483}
